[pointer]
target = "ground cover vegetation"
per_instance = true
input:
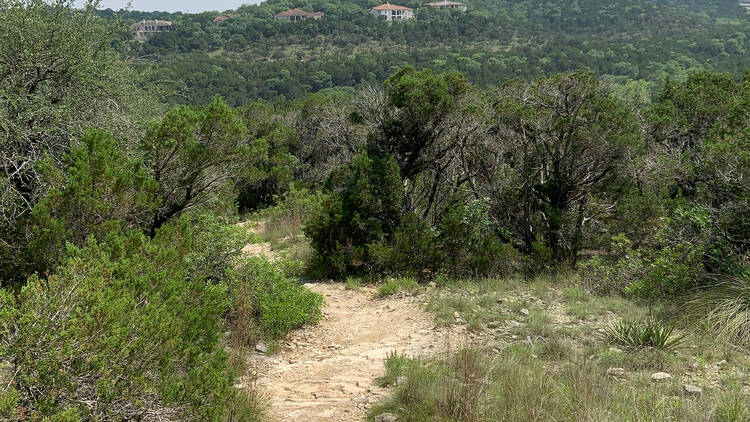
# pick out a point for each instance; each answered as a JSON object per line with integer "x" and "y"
{"x": 126, "y": 295}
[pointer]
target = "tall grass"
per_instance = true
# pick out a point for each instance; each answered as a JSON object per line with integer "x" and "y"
{"x": 475, "y": 385}
{"x": 725, "y": 309}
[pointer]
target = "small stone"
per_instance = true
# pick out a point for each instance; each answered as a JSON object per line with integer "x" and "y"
{"x": 432, "y": 285}
{"x": 261, "y": 348}
{"x": 495, "y": 351}
{"x": 361, "y": 400}
{"x": 456, "y": 315}
{"x": 615, "y": 350}
{"x": 660, "y": 376}
{"x": 525, "y": 311}
{"x": 386, "y": 417}
{"x": 692, "y": 390}
{"x": 401, "y": 380}
{"x": 616, "y": 372}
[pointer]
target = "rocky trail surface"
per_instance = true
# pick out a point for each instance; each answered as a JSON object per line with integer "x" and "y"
{"x": 328, "y": 372}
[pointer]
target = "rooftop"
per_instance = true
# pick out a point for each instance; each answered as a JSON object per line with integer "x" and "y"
{"x": 388, "y": 6}
{"x": 299, "y": 12}
{"x": 446, "y": 3}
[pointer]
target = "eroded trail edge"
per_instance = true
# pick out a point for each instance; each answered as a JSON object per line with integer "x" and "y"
{"x": 328, "y": 372}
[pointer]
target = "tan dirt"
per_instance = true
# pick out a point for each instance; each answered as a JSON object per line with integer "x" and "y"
{"x": 328, "y": 372}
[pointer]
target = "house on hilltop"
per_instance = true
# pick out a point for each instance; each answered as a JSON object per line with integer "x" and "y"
{"x": 221, "y": 18}
{"x": 294, "y": 15}
{"x": 447, "y": 4}
{"x": 393, "y": 12}
{"x": 151, "y": 25}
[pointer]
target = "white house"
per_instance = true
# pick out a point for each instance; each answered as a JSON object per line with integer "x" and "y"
{"x": 447, "y": 4}
{"x": 153, "y": 25}
{"x": 393, "y": 12}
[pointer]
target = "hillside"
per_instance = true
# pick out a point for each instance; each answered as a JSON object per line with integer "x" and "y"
{"x": 251, "y": 56}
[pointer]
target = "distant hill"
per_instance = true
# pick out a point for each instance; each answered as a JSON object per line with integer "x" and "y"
{"x": 249, "y": 55}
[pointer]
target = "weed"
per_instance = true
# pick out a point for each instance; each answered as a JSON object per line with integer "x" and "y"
{"x": 352, "y": 283}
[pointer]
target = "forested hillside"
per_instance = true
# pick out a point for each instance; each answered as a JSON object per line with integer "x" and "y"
{"x": 251, "y": 56}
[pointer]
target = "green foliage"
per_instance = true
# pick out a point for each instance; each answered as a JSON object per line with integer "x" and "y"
{"x": 98, "y": 192}
{"x": 261, "y": 292}
{"x": 272, "y": 163}
{"x": 120, "y": 328}
{"x": 193, "y": 154}
{"x": 649, "y": 334}
{"x": 622, "y": 41}
{"x": 58, "y": 78}
{"x": 363, "y": 208}
{"x": 470, "y": 245}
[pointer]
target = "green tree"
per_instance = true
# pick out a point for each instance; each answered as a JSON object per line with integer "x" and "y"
{"x": 194, "y": 154}
{"x": 559, "y": 140}
{"x": 98, "y": 192}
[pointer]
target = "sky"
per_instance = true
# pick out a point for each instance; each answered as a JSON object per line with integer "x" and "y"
{"x": 190, "y": 6}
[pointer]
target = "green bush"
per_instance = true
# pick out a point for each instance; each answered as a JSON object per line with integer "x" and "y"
{"x": 120, "y": 329}
{"x": 470, "y": 245}
{"x": 264, "y": 298}
{"x": 364, "y": 207}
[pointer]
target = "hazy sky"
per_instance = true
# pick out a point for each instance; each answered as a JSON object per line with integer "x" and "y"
{"x": 176, "y": 5}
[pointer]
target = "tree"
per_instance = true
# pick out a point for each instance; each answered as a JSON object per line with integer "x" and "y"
{"x": 194, "y": 154}
{"x": 97, "y": 193}
{"x": 557, "y": 141}
{"x": 58, "y": 76}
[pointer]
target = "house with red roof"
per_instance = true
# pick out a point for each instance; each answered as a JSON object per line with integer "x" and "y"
{"x": 295, "y": 15}
{"x": 392, "y": 12}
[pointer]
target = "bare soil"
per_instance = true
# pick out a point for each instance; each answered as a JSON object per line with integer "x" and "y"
{"x": 328, "y": 372}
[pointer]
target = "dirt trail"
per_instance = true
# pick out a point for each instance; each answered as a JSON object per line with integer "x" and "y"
{"x": 328, "y": 372}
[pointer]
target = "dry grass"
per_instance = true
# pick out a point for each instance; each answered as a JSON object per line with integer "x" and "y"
{"x": 549, "y": 362}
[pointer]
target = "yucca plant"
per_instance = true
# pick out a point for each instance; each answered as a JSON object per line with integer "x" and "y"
{"x": 725, "y": 309}
{"x": 652, "y": 333}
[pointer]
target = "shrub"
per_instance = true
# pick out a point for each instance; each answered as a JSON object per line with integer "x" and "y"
{"x": 265, "y": 299}
{"x": 290, "y": 213}
{"x": 413, "y": 250}
{"x": 470, "y": 245}
{"x": 364, "y": 207}
{"x": 119, "y": 331}
{"x": 650, "y": 334}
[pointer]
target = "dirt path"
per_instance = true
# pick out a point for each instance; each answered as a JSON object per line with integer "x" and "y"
{"x": 328, "y": 372}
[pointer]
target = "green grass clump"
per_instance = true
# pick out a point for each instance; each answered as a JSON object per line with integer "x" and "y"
{"x": 649, "y": 334}
{"x": 352, "y": 283}
{"x": 393, "y": 286}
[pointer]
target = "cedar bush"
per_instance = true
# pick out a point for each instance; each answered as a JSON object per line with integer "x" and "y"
{"x": 121, "y": 330}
